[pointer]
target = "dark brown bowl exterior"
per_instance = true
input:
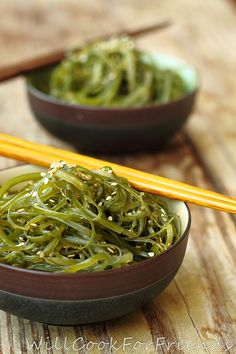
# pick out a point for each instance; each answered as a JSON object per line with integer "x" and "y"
{"x": 69, "y": 299}
{"x": 111, "y": 130}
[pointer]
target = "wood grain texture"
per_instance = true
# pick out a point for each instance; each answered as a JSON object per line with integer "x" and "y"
{"x": 197, "y": 312}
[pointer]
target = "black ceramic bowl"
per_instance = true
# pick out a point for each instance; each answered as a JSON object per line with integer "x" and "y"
{"x": 114, "y": 130}
{"x": 70, "y": 299}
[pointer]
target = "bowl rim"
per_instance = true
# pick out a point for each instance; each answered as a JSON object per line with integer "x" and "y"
{"x": 107, "y": 271}
{"x": 55, "y": 101}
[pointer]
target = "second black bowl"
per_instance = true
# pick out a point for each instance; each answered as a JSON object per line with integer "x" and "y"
{"x": 116, "y": 130}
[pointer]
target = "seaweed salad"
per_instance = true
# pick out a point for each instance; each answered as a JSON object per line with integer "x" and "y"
{"x": 113, "y": 73}
{"x": 70, "y": 219}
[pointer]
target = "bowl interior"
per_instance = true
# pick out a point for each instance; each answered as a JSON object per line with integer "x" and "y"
{"x": 174, "y": 206}
{"x": 187, "y": 72}
{"x": 39, "y": 79}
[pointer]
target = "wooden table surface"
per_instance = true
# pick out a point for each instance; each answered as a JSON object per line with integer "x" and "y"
{"x": 197, "y": 312}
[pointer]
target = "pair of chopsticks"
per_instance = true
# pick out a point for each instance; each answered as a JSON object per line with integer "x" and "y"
{"x": 44, "y": 155}
{"x": 26, "y": 66}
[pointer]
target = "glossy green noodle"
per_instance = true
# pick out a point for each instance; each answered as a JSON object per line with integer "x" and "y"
{"x": 114, "y": 73}
{"x": 70, "y": 219}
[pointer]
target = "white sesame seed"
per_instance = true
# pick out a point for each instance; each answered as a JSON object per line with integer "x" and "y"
{"x": 20, "y": 210}
{"x": 43, "y": 174}
{"x": 85, "y": 177}
{"x": 46, "y": 180}
{"x": 110, "y": 218}
{"x": 151, "y": 254}
{"x": 70, "y": 255}
{"x": 34, "y": 225}
{"x": 41, "y": 255}
{"x": 21, "y": 244}
{"x": 100, "y": 203}
{"x": 114, "y": 184}
{"x": 34, "y": 194}
{"x": 129, "y": 213}
{"x": 113, "y": 193}
{"x": 57, "y": 165}
{"x": 52, "y": 200}
{"x": 111, "y": 76}
{"x": 108, "y": 197}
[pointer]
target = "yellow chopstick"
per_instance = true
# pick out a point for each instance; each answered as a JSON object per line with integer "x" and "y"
{"x": 44, "y": 155}
{"x": 90, "y": 162}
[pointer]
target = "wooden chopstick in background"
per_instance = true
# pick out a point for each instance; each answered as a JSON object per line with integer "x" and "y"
{"x": 10, "y": 71}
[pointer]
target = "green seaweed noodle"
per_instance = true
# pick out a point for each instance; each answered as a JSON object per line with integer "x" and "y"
{"x": 70, "y": 219}
{"x": 114, "y": 73}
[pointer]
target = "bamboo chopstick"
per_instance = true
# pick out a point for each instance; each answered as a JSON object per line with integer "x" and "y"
{"x": 10, "y": 71}
{"x": 95, "y": 163}
{"x": 43, "y": 155}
